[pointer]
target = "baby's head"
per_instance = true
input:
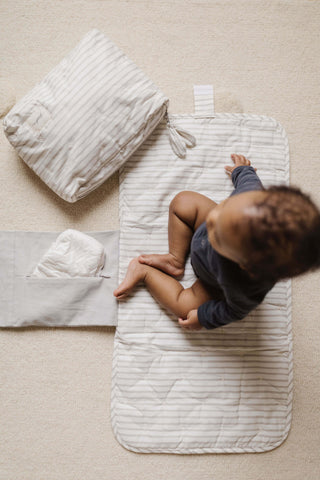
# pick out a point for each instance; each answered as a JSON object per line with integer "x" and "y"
{"x": 272, "y": 233}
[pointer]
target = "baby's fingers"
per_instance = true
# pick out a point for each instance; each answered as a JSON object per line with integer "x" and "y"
{"x": 183, "y": 323}
{"x": 239, "y": 159}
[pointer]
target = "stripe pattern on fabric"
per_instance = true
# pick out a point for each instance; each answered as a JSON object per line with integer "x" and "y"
{"x": 227, "y": 390}
{"x": 203, "y": 99}
{"x": 77, "y": 126}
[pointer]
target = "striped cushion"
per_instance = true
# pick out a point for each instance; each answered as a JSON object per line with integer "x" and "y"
{"x": 86, "y": 117}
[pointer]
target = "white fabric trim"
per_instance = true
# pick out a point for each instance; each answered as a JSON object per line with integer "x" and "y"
{"x": 203, "y": 99}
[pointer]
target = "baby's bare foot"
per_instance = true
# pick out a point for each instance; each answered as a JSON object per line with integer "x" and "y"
{"x": 167, "y": 263}
{"x": 134, "y": 275}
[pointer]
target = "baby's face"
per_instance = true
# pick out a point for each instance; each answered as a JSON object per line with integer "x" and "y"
{"x": 227, "y": 226}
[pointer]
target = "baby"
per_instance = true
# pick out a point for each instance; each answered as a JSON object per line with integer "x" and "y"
{"x": 239, "y": 249}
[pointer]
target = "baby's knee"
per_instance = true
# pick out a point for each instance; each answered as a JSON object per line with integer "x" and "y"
{"x": 181, "y": 201}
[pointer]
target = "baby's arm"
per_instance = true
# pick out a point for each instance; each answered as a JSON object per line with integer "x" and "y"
{"x": 236, "y": 306}
{"x": 243, "y": 175}
{"x": 238, "y": 160}
{"x": 212, "y": 314}
{"x": 217, "y": 313}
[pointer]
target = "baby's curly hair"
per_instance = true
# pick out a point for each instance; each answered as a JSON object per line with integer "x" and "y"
{"x": 284, "y": 239}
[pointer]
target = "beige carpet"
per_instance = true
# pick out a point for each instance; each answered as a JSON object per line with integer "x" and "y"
{"x": 55, "y": 397}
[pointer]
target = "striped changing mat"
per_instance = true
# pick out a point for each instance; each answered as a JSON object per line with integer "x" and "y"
{"x": 208, "y": 391}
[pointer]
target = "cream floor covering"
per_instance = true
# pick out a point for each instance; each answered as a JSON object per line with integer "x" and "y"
{"x": 55, "y": 397}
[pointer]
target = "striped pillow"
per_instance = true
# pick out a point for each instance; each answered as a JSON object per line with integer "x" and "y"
{"x": 86, "y": 117}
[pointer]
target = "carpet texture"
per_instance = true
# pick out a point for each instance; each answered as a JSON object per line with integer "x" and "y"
{"x": 55, "y": 396}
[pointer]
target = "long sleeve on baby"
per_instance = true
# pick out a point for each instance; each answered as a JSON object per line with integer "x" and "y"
{"x": 216, "y": 313}
{"x": 245, "y": 179}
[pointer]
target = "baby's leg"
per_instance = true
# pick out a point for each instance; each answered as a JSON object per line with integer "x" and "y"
{"x": 187, "y": 211}
{"x": 165, "y": 289}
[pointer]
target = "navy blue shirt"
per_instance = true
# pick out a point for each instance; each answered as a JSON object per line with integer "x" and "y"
{"x": 237, "y": 292}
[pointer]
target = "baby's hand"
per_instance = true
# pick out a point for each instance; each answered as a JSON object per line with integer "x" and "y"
{"x": 191, "y": 322}
{"x": 238, "y": 160}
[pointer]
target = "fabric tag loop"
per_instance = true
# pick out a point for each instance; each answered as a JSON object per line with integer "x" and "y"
{"x": 203, "y": 99}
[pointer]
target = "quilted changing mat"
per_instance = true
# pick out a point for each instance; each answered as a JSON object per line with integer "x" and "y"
{"x": 226, "y": 390}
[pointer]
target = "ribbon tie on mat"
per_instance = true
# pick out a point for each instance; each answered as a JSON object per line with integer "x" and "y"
{"x": 179, "y": 138}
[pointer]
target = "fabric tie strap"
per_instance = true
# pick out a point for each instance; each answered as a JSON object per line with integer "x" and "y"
{"x": 179, "y": 138}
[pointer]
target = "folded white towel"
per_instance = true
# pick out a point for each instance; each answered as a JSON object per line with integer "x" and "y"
{"x": 73, "y": 254}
